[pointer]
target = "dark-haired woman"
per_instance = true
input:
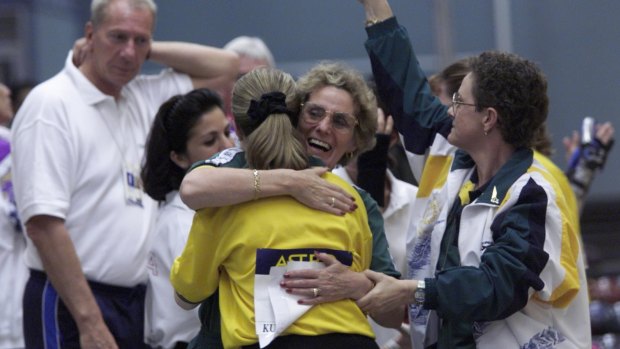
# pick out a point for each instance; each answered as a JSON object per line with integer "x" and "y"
{"x": 187, "y": 128}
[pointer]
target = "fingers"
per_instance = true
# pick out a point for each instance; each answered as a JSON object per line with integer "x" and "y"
{"x": 297, "y": 277}
{"x": 312, "y": 301}
{"x": 301, "y": 287}
{"x": 326, "y": 258}
{"x": 319, "y": 171}
{"x": 79, "y": 44}
{"x": 605, "y": 133}
{"x": 567, "y": 143}
{"x": 312, "y": 296}
{"x": 316, "y": 192}
{"x": 571, "y": 143}
{"x": 389, "y": 125}
{"x": 364, "y": 303}
{"x": 380, "y": 121}
{"x": 373, "y": 275}
{"x": 79, "y": 51}
{"x": 384, "y": 124}
{"x": 328, "y": 189}
{"x": 339, "y": 202}
{"x": 575, "y": 139}
{"x": 311, "y": 293}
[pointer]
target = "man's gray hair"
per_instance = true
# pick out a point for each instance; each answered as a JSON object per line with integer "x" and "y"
{"x": 98, "y": 9}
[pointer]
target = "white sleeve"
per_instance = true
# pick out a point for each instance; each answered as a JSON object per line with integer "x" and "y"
{"x": 43, "y": 170}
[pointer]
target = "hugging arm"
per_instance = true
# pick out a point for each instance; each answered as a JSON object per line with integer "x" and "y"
{"x": 208, "y": 186}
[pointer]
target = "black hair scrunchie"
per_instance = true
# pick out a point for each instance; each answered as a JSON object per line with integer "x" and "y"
{"x": 269, "y": 103}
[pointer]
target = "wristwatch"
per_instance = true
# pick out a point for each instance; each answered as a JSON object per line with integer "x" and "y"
{"x": 419, "y": 295}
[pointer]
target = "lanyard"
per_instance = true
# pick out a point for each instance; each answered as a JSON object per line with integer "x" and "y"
{"x": 130, "y": 168}
{"x": 107, "y": 112}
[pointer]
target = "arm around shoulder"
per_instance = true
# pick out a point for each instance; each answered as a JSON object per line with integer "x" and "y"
{"x": 209, "y": 186}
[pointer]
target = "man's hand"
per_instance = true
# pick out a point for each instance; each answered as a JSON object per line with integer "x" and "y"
{"x": 97, "y": 337}
{"x": 80, "y": 51}
{"x": 62, "y": 266}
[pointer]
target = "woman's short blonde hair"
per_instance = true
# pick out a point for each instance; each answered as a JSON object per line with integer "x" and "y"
{"x": 343, "y": 77}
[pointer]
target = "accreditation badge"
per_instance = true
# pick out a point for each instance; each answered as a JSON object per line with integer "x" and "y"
{"x": 274, "y": 309}
{"x": 132, "y": 184}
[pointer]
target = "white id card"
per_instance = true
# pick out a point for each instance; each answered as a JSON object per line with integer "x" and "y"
{"x": 132, "y": 184}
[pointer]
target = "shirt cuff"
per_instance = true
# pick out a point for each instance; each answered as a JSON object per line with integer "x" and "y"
{"x": 430, "y": 294}
{"x": 382, "y": 27}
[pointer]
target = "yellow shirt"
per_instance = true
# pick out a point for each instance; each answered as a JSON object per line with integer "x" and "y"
{"x": 221, "y": 252}
{"x": 564, "y": 188}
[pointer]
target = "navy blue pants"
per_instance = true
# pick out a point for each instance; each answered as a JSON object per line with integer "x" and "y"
{"x": 48, "y": 323}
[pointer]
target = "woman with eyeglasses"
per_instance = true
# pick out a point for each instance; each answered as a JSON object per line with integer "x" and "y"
{"x": 582, "y": 165}
{"x": 337, "y": 120}
{"x": 239, "y": 248}
{"x": 493, "y": 251}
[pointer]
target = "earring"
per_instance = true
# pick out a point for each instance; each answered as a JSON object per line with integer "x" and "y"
{"x": 486, "y": 133}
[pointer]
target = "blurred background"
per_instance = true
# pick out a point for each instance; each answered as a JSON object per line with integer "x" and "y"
{"x": 576, "y": 44}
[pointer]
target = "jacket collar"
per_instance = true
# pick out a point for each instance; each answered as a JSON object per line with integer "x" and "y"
{"x": 498, "y": 186}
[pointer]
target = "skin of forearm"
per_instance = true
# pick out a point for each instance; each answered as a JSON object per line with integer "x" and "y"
{"x": 63, "y": 269}
{"x": 363, "y": 285}
{"x": 218, "y": 187}
{"x": 391, "y": 319}
{"x": 378, "y": 10}
{"x": 198, "y": 61}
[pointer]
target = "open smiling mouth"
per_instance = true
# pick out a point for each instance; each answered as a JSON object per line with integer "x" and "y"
{"x": 318, "y": 144}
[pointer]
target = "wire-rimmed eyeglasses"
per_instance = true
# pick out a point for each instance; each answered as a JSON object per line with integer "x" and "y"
{"x": 456, "y": 101}
{"x": 313, "y": 114}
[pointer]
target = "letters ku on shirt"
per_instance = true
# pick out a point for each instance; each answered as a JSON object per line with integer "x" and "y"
{"x": 274, "y": 309}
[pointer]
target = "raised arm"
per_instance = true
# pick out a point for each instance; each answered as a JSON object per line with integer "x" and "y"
{"x": 419, "y": 116}
{"x": 372, "y": 165}
{"x": 207, "y": 66}
{"x": 585, "y": 160}
{"x": 376, "y": 10}
{"x": 204, "y": 64}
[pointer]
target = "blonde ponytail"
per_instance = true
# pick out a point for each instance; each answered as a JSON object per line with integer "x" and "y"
{"x": 266, "y": 124}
